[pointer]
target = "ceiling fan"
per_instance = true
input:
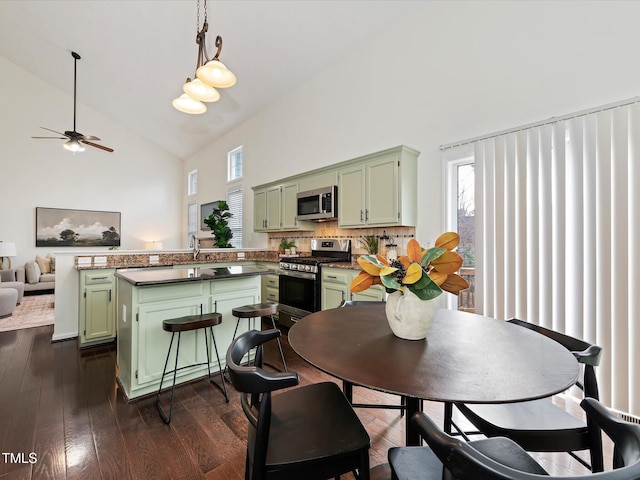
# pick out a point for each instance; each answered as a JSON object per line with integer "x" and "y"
{"x": 74, "y": 139}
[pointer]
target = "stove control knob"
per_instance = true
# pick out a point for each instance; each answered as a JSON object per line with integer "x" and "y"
{"x": 284, "y": 266}
{"x": 307, "y": 268}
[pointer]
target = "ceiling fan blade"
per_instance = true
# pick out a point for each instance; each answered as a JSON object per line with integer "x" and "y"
{"x": 59, "y": 133}
{"x": 89, "y": 137}
{"x": 54, "y": 138}
{"x": 106, "y": 149}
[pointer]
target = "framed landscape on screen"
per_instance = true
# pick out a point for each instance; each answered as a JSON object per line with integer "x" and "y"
{"x": 61, "y": 227}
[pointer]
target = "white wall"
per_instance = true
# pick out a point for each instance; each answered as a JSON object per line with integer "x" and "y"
{"x": 459, "y": 70}
{"x": 139, "y": 180}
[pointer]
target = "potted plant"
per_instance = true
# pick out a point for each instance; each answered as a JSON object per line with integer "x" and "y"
{"x": 286, "y": 244}
{"x": 413, "y": 281}
{"x": 370, "y": 244}
{"x": 218, "y": 222}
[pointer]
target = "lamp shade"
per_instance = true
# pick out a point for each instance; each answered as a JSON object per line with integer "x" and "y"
{"x": 216, "y": 74}
{"x": 186, "y": 104}
{"x": 74, "y": 146}
{"x": 153, "y": 245}
{"x": 201, "y": 91}
{"x": 7, "y": 249}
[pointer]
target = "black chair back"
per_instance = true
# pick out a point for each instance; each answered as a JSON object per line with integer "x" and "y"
{"x": 466, "y": 463}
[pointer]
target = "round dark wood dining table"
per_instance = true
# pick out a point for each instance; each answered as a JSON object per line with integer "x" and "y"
{"x": 465, "y": 358}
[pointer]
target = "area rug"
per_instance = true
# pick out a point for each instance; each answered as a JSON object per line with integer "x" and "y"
{"x": 33, "y": 311}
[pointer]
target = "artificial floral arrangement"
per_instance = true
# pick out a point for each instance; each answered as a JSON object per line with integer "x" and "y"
{"x": 425, "y": 272}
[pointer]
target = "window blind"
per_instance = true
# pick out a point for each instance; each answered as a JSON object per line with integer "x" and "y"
{"x": 234, "y": 200}
{"x": 557, "y": 228}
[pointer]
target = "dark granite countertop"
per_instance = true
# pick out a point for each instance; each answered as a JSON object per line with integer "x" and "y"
{"x": 160, "y": 276}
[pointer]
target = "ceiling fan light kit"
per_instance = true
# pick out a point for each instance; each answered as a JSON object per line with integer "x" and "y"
{"x": 210, "y": 74}
{"x": 75, "y": 140}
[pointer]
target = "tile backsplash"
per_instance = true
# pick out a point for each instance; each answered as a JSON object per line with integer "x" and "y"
{"x": 400, "y": 235}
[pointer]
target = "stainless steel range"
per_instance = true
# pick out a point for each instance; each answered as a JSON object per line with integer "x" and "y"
{"x": 299, "y": 279}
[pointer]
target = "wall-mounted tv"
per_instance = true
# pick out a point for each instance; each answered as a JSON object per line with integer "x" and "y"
{"x": 206, "y": 209}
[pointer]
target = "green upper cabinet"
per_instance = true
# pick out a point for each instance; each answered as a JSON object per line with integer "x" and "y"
{"x": 375, "y": 190}
{"x": 351, "y": 199}
{"x": 260, "y": 210}
{"x": 379, "y": 191}
{"x": 267, "y": 209}
{"x": 289, "y": 206}
{"x": 274, "y": 217}
{"x": 275, "y": 208}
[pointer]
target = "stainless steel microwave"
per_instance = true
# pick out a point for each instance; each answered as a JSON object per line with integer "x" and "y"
{"x": 318, "y": 205}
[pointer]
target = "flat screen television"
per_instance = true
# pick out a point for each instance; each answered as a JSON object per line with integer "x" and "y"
{"x": 206, "y": 209}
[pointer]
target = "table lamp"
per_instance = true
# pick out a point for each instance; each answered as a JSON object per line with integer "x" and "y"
{"x": 8, "y": 250}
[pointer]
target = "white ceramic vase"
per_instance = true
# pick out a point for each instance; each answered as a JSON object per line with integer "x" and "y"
{"x": 409, "y": 317}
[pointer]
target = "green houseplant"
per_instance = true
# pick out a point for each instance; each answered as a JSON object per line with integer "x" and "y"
{"x": 285, "y": 244}
{"x": 218, "y": 222}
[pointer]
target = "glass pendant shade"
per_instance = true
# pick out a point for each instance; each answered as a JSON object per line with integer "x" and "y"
{"x": 216, "y": 74}
{"x": 200, "y": 91}
{"x": 186, "y": 104}
{"x": 74, "y": 146}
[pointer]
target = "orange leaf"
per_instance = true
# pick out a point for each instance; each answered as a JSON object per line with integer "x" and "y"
{"x": 404, "y": 260}
{"x": 414, "y": 273}
{"x": 361, "y": 282}
{"x": 437, "y": 277}
{"x": 368, "y": 267}
{"x": 448, "y": 240}
{"x": 414, "y": 250}
{"x": 382, "y": 260}
{"x": 454, "y": 284}
{"x": 448, "y": 262}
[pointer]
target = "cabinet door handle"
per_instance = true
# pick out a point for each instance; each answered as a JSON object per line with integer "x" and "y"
{"x": 109, "y": 295}
{"x": 361, "y": 216}
{"x": 98, "y": 278}
{"x": 366, "y": 215}
{"x": 342, "y": 295}
{"x": 332, "y": 276}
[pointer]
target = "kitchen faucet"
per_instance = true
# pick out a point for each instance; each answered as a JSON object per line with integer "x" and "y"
{"x": 195, "y": 244}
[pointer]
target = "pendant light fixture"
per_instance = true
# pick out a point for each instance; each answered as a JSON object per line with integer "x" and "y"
{"x": 210, "y": 74}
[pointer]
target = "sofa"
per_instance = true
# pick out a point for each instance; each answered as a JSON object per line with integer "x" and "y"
{"x": 8, "y": 280}
{"x": 38, "y": 275}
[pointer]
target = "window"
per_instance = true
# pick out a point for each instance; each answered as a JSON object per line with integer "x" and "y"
{"x": 192, "y": 221}
{"x": 234, "y": 200}
{"x": 459, "y": 168}
{"x": 234, "y": 164}
{"x": 192, "y": 185}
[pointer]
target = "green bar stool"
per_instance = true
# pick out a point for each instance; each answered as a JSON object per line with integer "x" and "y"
{"x": 265, "y": 309}
{"x": 188, "y": 324}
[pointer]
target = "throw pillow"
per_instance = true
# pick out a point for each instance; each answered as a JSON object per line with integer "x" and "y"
{"x": 52, "y": 260}
{"x": 32, "y": 272}
{"x": 44, "y": 264}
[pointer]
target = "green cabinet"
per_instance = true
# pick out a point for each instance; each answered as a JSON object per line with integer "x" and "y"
{"x": 267, "y": 209}
{"x": 376, "y": 190}
{"x": 143, "y": 344}
{"x": 335, "y": 288}
{"x": 96, "y": 309}
{"x": 275, "y": 208}
{"x": 270, "y": 284}
{"x": 379, "y": 191}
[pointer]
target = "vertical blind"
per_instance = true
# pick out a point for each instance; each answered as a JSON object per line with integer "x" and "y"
{"x": 558, "y": 233}
{"x": 234, "y": 200}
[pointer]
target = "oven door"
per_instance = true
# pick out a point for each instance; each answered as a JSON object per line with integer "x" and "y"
{"x": 299, "y": 296}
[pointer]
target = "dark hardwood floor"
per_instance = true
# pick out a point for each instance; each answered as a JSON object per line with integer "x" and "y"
{"x": 62, "y": 416}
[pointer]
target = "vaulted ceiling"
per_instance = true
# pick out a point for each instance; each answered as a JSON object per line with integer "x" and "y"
{"x": 137, "y": 54}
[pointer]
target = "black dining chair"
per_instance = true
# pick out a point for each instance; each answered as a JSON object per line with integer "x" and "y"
{"x": 308, "y": 432}
{"x": 347, "y": 387}
{"x": 540, "y": 425}
{"x": 447, "y": 457}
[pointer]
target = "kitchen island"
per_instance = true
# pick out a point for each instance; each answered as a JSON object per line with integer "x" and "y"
{"x": 148, "y": 296}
